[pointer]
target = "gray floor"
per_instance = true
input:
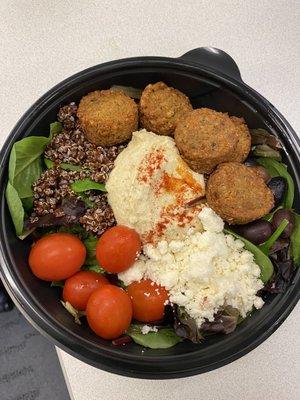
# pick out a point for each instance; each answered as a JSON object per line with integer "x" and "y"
{"x": 29, "y": 367}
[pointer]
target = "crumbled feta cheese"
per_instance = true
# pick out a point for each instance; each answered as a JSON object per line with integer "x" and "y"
{"x": 205, "y": 260}
{"x": 258, "y": 302}
{"x": 202, "y": 272}
{"x": 210, "y": 220}
{"x": 176, "y": 245}
{"x": 162, "y": 247}
{"x": 135, "y": 273}
{"x": 147, "y": 328}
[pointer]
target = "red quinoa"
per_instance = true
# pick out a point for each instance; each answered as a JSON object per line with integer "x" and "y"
{"x": 71, "y": 147}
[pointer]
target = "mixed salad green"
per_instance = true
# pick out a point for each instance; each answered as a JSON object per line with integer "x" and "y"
{"x": 277, "y": 255}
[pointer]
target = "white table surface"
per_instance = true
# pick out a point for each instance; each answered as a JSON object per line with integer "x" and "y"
{"x": 43, "y": 42}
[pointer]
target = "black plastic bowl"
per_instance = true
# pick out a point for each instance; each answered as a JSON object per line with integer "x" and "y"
{"x": 210, "y": 78}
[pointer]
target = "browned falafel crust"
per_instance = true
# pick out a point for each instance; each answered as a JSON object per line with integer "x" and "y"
{"x": 107, "y": 117}
{"x": 238, "y": 194}
{"x": 243, "y": 146}
{"x": 206, "y": 138}
{"x": 161, "y": 107}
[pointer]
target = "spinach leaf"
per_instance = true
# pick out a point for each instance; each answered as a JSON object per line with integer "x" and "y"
{"x": 15, "y": 207}
{"x": 265, "y": 247}
{"x": 88, "y": 203}
{"x": 269, "y": 217}
{"x": 163, "y": 339}
{"x": 25, "y": 165}
{"x": 49, "y": 163}
{"x": 27, "y": 204}
{"x": 55, "y": 128}
{"x": 60, "y": 284}
{"x": 75, "y": 229}
{"x": 26, "y": 233}
{"x": 67, "y": 167}
{"x": 94, "y": 268}
{"x": 135, "y": 93}
{"x": 265, "y": 264}
{"x": 90, "y": 245}
{"x": 260, "y": 136}
{"x": 263, "y": 150}
{"x": 276, "y": 168}
{"x": 76, "y": 314}
{"x": 121, "y": 284}
{"x": 87, "y": 184}
{"x": 295, "y": 241}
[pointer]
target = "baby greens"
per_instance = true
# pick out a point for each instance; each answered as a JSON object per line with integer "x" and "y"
{"x": 295, "y": 241}
{"x": 25, "y": 167}
{"x": 260, "y": 136}
{"x": 87, "y": 184}
{"x": 55, "y": 128}
{"x": 94, "y": 268}
{"x": 90, "y": 245}
{"x": 265, "y": 264}
{"x": 163, "y": 339}
{"x": 265, "y": 247}
{"x": 185, "y": 326}
{"x": 57, "y": 284}
{"x": 276, "y": 168}
{"x": 135, "y": 93}
{"x": 67, "y": 167}
{"x": 263, "y": 150}
{"x": 75, "y": 229}
{"x": 76, "y": 314}
{"x": 15, "y": 207}
{"x": 264, "y": 144}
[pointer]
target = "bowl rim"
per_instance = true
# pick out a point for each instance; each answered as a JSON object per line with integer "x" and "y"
{"x": 42, "y": 321}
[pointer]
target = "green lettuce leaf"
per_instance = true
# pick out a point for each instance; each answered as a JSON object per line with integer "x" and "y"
{"x": 163, "y": 339}
{"x": 76, "y": 314}
{"x": 60, "y": 284}
{"x": 265, "y": 247}
{"x": 295, "y": 241}
{"x": 67, "y": 167}
{"x": 94, "y": 268}
{"x": 24, "y": 168}
{"x": 75, "y": 229}
{"x": 28, "y": 204}
{"x": 263, "y": 150}
{"x": 90, "y": 245}
{"x": 55, "y": 128}
{"x": 15, "y": 207}
{"x": 135, "y": 93}
{"x": 261, "y": 136}
{"x": 25, "y": 165}
{"x": 87, "y": 184}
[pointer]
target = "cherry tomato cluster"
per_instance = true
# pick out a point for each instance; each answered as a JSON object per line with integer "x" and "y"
{"x": 109, "y": 308}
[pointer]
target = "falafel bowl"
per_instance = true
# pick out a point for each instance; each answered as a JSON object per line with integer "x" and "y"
{"x": 155, "y": 221}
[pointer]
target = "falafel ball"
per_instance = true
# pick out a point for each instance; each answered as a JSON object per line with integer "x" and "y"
{"x": 238, "y": 194}
{"x": 107, "y": 117}
{"x": 161, "y": 107}
{"x": 206, "y": 138}
{"x": 244, "y": 140}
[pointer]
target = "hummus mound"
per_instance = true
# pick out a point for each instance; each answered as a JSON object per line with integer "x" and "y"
{"x": 151, "y": 187}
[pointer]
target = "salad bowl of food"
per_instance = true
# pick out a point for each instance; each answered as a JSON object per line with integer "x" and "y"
{"x": 150, "y": 215}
